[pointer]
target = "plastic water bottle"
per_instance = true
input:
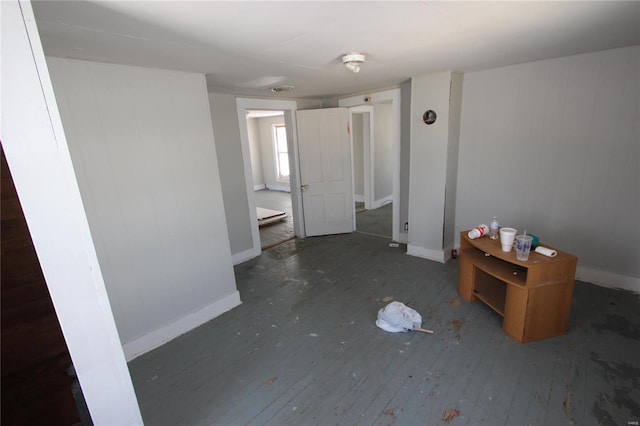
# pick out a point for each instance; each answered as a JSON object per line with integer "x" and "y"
{"x": 493, "y": 229}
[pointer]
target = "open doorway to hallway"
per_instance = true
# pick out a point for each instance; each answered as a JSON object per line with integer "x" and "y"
{"x": 376, "y": 222}
{"x": 276, "y": 227}
{"x": 372, "y": 148}
{"x": 271, "y": 176}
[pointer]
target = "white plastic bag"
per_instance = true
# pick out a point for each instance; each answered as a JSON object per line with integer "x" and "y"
{"x": 397, "y": 317}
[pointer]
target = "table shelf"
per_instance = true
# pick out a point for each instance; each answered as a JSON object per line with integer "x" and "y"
{"x": 504, "y": 271}
{"x": 533, "y": 297}
{"x": 491, "y": 291}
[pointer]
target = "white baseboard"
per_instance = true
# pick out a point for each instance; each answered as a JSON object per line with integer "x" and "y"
{"x": 358, "y": 198}
{"x": 282, "y": 188}
{"x": 160, "y": 336}
{"x": 437, "y": 255}
{"x": 259, "y": 187}
{"x": 381, "y": 202}
{"x": 447, "y": 252}
{"x": 245, "y": 255}
{"x": 608, "y": 279}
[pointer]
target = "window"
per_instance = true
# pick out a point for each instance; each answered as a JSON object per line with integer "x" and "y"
{"x": 282, "y": 154}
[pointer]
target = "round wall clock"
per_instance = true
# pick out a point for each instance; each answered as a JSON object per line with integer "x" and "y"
{"x": 429, "y": 117}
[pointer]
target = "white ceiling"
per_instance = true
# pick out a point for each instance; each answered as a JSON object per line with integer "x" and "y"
{"x": 247, "y": 47}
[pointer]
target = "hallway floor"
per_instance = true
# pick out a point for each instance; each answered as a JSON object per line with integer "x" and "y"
{"x": 275, "y": 233}
{"x": 375, "y": 222}
{"x": 303, "y": 349}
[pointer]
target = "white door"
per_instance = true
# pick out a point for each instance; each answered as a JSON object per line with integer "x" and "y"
{"x": 325, "y": 171}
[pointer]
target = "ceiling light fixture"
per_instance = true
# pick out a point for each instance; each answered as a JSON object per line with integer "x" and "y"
{"x": 353, "y": 61}
{"x": 282, "y": 89}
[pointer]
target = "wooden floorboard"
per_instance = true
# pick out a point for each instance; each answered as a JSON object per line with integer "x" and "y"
{"x": 282, "y": 230}
{"x": 303, "y": 348}
{"x": 375, "y": 222}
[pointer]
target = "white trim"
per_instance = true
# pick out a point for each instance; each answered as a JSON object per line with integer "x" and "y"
{"x": 368, "y": 147}
{"x": 259, "y": 187}
{"x": 358, "y": 198}
{"x": 381, "y": 202}
{"x": 276, "y": 151}
{"x": 395, "y": 96}
{"x": 403, "y": 237}
{"x": 160, "y": 336}
{"x": 295, "y": 187}
{"x": 436, "y": 255}
{"x": 608, "y": 279}
{"x": 447, "y": 252}
{"x": 243, "y": 256}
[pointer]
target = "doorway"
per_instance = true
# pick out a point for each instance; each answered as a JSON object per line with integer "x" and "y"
{"x": 371, "y": 140}
{"x": 384, "y": 159}
{"x": 270, "y": 169}
{"x": 287, "y": 109}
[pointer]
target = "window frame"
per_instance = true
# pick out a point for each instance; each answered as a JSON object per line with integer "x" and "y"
{"x": 278, "y": 153}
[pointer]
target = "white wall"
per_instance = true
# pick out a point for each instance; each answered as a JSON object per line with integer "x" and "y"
{"x": 226, "y": 134}
{"x": 357, "y": 122}
{"x": 553, "y": 146}
{"x": 142, "y": 146}
{"x": 429, "y": 150}
{"x": 265, "y": 131}
{"x": 256, "y": 153}
{"x": 383, "y": 152}
{"x": 405, "y": 158}
{"x": 453, "y": 148}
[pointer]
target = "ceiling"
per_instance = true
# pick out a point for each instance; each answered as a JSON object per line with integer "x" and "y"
{"x": 245, "y": 47}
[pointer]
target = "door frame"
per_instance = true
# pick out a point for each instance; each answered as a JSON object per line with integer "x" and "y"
{"x": 393, "y": 95}
{"x": 368, "y": 152}
{"x": 289, "y": 108}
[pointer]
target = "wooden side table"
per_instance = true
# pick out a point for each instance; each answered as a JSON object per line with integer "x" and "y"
{"x": 533, "y": 296}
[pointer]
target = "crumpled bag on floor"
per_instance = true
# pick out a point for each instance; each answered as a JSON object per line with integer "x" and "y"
{"x": 396, "y": 317}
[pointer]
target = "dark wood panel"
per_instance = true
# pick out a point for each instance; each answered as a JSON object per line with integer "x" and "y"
{"x": 13, "y": 228}
{"x": 7, "y": 189}
{"x": 40, "y": 395}
{"x": 29, "y": 291}
{"x": 36, "y": 388}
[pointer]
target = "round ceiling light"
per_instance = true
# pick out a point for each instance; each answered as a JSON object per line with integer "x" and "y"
{"x": 353, "y": 61}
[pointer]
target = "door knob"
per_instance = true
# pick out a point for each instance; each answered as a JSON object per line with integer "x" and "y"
{"x": 304, "y": 188}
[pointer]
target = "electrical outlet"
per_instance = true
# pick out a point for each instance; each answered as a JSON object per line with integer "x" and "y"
{"x": 406, "y": 226}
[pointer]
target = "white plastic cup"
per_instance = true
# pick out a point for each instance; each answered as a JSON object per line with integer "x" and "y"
{"x": 507, "y": 237}
{"x": 523, "y": 247}
{"x": 478, "y": 231}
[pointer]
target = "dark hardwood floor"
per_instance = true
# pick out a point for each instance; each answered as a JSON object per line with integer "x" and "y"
{"x": 303, "y": 349}
{"x": 277, "y": 232}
